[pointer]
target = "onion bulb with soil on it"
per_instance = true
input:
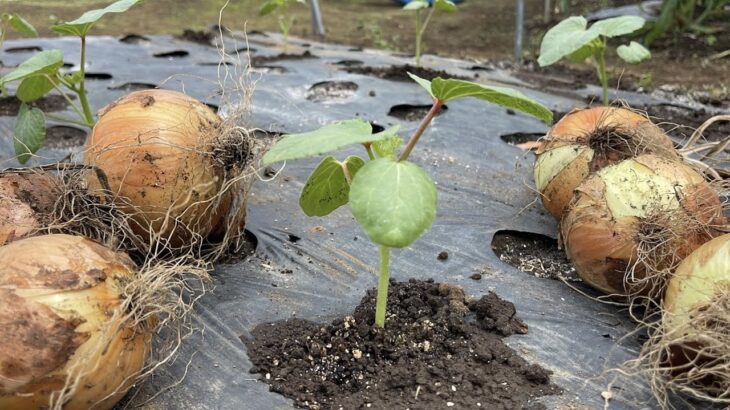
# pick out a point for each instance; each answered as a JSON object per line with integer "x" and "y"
{"x": 689, "y": 352}
{"x": 66, "y": 340}
{"x": 632, "y": 223}
{"x": 174, "y": 166}
{"x": 587, "y": 140}
{"x": 26, "y": 203}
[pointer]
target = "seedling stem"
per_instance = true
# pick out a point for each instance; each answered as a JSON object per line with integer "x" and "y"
{"x": 435, "y": 108}
{"x": 382, "y": 297}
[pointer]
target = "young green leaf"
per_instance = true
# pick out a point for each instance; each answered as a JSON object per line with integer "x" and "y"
{"x": 326, "y": 139}
{"x": 450, "y": 89}
{"x": 20, "y": 24}
{"x": 269, "y": 6}
{"x": 327, "y": 187}
{"x": 81, "y": 26}
{"x": 386, "y": 148}
{"x": 33, "y": 88}
{"x": 393, "y": 201}
{"x": 618, "y": 26}
{"x": 30, "y": 131}
{"x": 416, "y": 5}
{"x": 564, "y": 39}
{"x": 43, "y": 63}
{"x": 423, "y": 83}
{"x": 580, "y": 55}
{"x": 634, "y": 53}
{"x": 447, "y": 6}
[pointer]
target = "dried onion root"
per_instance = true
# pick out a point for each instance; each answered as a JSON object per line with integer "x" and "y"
{"x": 587, "y": 140}
{"x": 630, "y": 224}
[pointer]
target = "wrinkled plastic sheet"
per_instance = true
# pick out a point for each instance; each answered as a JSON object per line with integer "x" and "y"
{"x": 484, "y": 186}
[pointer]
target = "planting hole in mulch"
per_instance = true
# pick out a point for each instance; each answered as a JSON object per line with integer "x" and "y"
{"x": 129, "y": 87}
{"x": 273, "y": 69}
{"x": 437, "y": 350}
{"x": 63, "y": 136}
{"x": 519, "y": 138}
{"x": 349, "y": 63}
{"x": 172, "y": 55}
{"x": 98, "y": 76}
{"x": 9, "y": 106}
{"x": 410, "y": 112}
{"x": 400, "y": 72}
{"x": 248, "y": 246}
{"x": 262, "y": 60}
{"x": 533, "y": 253}
{"x": 217, "y": 63}
{"x": 134, "y": 39}
{"x": 212, "y": 106}
{"x": 197, "y": 36}
{"x": 29, "y": 49}
{"x": 331, "y": 90}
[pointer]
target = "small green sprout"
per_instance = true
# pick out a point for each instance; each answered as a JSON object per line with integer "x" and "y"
{"x": 418, "y": 5}
{"x": 285, "y": 20}
{"x": 13, "y": 21}
{"x": 572, "y": 39}
{"x": 41, "y": 73}
{"x": 394, "y": 200}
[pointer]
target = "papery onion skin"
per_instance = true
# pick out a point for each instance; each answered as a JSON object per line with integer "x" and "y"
{"x": 567, "y": 154}
{"x": 26, "y": 203}
{"x": 155, "y": 148}
{"x": 601, "y": 230}
{"x": 59, "y": 311}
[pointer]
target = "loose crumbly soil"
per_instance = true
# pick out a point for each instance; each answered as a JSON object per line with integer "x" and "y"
{"x": 9, "y": 106}
{"x": 533, "y": 253}
{"x": 62, "y": 136}
{"x": 257, "y": 61}
{"x": 680, "y": 122}
{"x": 437, "y": 350}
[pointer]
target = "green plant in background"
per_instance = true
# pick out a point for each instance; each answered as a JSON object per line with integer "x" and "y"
{"x": 418, "y": 6}
{"x": 572, "y": 39}
{"x": 285, "y": 20}
{"x": 41, "y": 74}
{"x": 13, "y": 21}
{"x": 687, "y": 15}
{"x": 392, "y": 199}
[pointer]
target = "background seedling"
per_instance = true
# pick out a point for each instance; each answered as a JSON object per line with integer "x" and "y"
{"x": 572, "y": 39}
{"x": 394, "y": 200}
{"x": 41, "y": 73}
{"x": 285, "y": 20}
{"x": 421, "y": 25}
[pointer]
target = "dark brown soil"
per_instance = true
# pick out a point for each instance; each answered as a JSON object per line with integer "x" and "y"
{"x": 680, "y": 122}
{"x": 257, "y": 61}
{"x": 400, "y": 72}
{"x": 62, "y": 136}
{"x": 9, "y": 106}
{"x": 436, "y": 351}
{"x": 521, "y": 137}
{"x": 533, "y": 253}
{"x": 410, "y": 112}
{"x": 197, "y": 36}
{"x": 331, "y": 90}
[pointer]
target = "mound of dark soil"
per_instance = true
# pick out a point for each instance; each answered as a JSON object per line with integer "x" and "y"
{"x": 400, "y": 72}
{"x": 437, "y": 350}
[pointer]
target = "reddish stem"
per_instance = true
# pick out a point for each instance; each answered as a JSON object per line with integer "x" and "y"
{"x": 437, "y": 104}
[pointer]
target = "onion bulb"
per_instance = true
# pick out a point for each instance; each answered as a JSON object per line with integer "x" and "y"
{"x": 631, "y": 222}
{"x": 172, "y": 164}
{"x": 26, "y": 203}
{"x": 61, "y": 311}
{"x": 586, "y": 140}
{"x": 691, "y": 352}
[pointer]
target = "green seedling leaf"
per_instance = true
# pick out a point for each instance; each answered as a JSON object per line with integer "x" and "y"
{"x": 386, "y": 148}
{"x": 30, "y": 131}
{"x": 33, "y": 88}
{"x": 416, "y": 5}
{"x": 580, "y": 55}
{"x": 81, "y": 26}
{"x": 567, "y": 37}
{"x": 447, "y": 6}
{"x": 20, "y": 24}
{"x": 634, "y": 53}
{"x": 269, "y": 6}
{"x": 326, "y": 139}
{"x": 450, "y": 89}
{"x": 73, "y": 78}
{"x": 618, "y": 26}
{"x": 327, "y": 187}
{"x": 44, "y": 63}
{"x": 394, "y": 202}
{"x": 423, "y": 83}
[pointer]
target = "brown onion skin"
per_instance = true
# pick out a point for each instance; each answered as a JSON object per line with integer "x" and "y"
{"x": 26, "y": 203}
{"x": 154, "y": 146}
{"x": 602, "y": 246}
{"x": 57, "y": 293}
{"x": 575, "y": 128}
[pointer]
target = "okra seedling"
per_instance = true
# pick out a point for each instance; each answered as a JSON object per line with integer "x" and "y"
{"x": 42, "y": 73}
{"x": 285, "y": 20}
{"x": 394, "y": 200}
{"x": 573, "y": 40}
{"x": 418, "y": 6}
